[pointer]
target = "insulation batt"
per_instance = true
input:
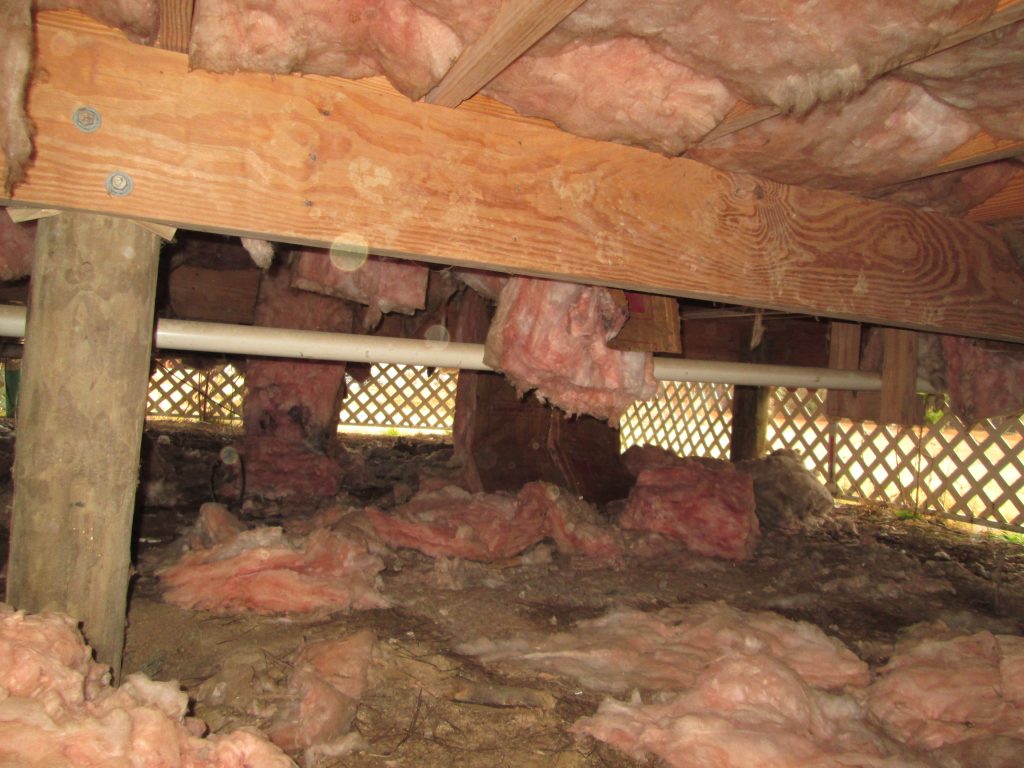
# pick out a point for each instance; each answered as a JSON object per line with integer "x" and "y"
{"x": 381, "y": 284}
{"x": 940, "y": 690}
{"x": 452, "y": 522}
{"x": 264, "y": 571}
{"x": 985, "y": 379}
{"x": 351, "y": 38}
{"x": 552, "y": 337}
{"x": 709, "y": 510}
{"x": 747, "y": 709}
{"x": 574, "y": 524}
{"x": 954, "y": 193}
{"x": 984, "y": 77}
{"x": 15, "y": 66}
{"x": 892, "y": 131}
{"x": 668, "y": 650}
{"x": 291, "y": 407}
{"x": 17, "y": 244}
{"x": 58, "y": 710}
{"x": 138, "y": 19}
{"x": 326, "y": 682}
{"x": 678, "y": 67}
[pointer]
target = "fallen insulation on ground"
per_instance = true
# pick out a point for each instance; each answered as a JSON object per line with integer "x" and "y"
{"x": 810, "y": 652}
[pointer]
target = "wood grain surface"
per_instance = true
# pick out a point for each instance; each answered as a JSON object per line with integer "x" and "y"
{"x": 328, "y": 162}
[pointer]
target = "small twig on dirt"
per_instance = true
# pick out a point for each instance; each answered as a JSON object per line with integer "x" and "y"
{"x": 408, "y": 731}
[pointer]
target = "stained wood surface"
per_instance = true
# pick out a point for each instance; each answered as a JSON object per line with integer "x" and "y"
{"x": 1007, "y": 203}
{"x": 900, "y": 403}
{"x": 844, "y": 354}
{"x": 327, "y": 162}
{"x": 80, "y": 416}
{"x": 518, "y": 25}
{"x": 175, "y": 25}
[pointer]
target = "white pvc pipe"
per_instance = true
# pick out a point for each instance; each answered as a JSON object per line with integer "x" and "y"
{"x": 196, "y": 336}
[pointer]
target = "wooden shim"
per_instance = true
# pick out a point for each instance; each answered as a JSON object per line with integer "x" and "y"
{"x": 322, "y": 161}
{"x": 80, "y": 416}
{"x": 900, "y": 403}
{"x": 744, "y": 115}
{"x": 21, "y": 215}
{"x": 518, "y": 25}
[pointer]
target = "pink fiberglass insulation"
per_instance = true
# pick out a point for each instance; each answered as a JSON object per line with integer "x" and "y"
{"x": 381, "y": 284}
{"x": 17, "y": 244}
{"x": 711, "y": 511}
{"x": 937, "y": 691}
{"x": 575, "y": 525}
{"x": 891, "y": 132}
{"x": 668, "y": 650}
{"x": 351, "y": 38}
{"x": 58, "y": 710}
{"x": 138, "y": 19}
{"x": 745, "y": 709}
{"x": 452, "y": 522}
{"x": 326, "y": 682}
{"x": 786, "y": 53}
{"x": 985, "y": 379}
{"x": 265, "y": 571}
{"x": 657, "y": 102}
{"x": 291, "y": 406}
{"x": 984, "y": 77}
{"x": 15, "y": 66}
{"x": 956, "y": 192}
{"x": 551, "y": 337}
{"x": 656, "y": 74}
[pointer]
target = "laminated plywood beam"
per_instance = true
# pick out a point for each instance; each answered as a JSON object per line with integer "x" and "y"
{"x": 518, "y": 25}
{"x": 175, "y": 25}
{"x": 329, "y": 162}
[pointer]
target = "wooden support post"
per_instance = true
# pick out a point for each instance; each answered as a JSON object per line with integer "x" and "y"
{"x": 749, "y": 423}
{"x": 80, "y": 419}
{"x": 900, "y": 404}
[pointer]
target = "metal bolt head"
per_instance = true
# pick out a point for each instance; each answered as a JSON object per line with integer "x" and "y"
{"x": 86, "y": 119}
{"x": 119, "y": 184}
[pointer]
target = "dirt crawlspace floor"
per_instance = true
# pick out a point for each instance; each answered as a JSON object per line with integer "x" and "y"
{"x": 861, "y": 580}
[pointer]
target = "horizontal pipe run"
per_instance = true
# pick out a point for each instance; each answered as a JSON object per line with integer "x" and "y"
{"x": 194, "y": 336}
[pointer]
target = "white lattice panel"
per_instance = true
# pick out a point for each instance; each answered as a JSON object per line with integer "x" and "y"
{"x": 688, "y": 419}
{"x": 975, "y": 474}
{"x": 178, "y": 391}
{"x": 797, "y": 421}
{"x": 402, "y": 397}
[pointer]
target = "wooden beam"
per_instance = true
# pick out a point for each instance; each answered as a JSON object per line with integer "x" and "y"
{"x": 80, "y": 415}
{"x": 1006, "y": 204}
{"x": 1007, "y": 12}
{"x": 518, "y": 25}
{"x": 324, "y": 162}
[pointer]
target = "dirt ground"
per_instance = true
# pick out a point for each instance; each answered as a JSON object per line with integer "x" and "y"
{"x": 862, "y": 580}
